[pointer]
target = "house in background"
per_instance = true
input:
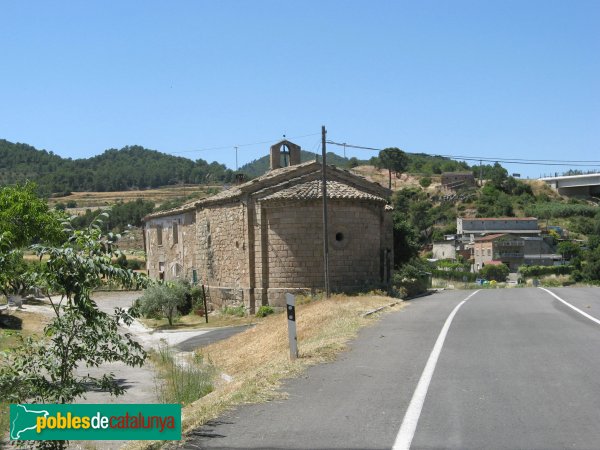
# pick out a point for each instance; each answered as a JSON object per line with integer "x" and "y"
{"x": 258, "y": 240}
{"x": 492, "y": 240}
{"x": 513, "y": 251}
{"x": 472, "y": 227}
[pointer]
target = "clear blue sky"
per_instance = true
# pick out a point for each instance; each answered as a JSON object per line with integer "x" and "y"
{"x": 511, "y": 79}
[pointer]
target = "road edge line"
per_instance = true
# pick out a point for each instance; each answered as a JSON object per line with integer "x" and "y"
{"x": 574, "y": 308}
{"x": 411, "y": 417}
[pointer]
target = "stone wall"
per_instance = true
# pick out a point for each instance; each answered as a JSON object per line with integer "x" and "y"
{"x": 444, "y": 250}
{"x": 173, "y": 256}
{"x": 289, "y": 250}
{"x": 251, "y": 252}
{"x": 221, "y": 252}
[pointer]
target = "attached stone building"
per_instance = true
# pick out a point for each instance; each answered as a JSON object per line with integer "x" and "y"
{"x": 256, "y": 241}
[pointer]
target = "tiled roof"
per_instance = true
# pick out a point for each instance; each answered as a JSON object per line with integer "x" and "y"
{"x": 312, "y": 190}
{"x": 490, "y": 237}
{"x": 281, "y": 177}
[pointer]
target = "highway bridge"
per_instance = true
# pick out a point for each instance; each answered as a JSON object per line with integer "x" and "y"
{"x": 576, "y": 185}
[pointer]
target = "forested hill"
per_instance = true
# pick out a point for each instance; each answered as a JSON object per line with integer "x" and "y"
{"x": 131, "y": 167}
{"x": 136, "y": 167}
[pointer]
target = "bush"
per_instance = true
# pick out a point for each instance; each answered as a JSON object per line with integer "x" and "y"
{"x": 554, "y": 210}
{"x": 135, "y": 264}
{"x": 413, "y": 278}
{"x": 166, "y": 300}
{"x": 425, "y": 182}
{"x": 497, "y": 272}
{"x": 454, "y": 275}
{"x": 239, "y": 311}
{"x": 264, "y": 311}
{"x": 536, "y": 271}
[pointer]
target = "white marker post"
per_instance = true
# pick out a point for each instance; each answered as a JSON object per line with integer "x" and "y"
{"x": 291, "y": 317}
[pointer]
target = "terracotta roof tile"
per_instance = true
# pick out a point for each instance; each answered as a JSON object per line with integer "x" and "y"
{"x": 490, "y": 237}
{"x": 312, "y": 190}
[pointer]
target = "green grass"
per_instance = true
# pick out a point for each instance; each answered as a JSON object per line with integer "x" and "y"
{"x": 193, "y": 321}
{"x": 182, "y": 381}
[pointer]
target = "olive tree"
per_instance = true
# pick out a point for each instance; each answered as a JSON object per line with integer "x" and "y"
{"x": 165, "y": 299}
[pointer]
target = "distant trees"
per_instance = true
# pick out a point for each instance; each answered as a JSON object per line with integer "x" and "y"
{"x": 121, "y": 215}
{"x": 131, "y": 167}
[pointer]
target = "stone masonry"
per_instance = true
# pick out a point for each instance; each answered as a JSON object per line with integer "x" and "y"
{"x": 256, "y": 241}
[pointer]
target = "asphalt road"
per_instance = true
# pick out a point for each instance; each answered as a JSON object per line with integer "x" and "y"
{"x": 518, "y": 369}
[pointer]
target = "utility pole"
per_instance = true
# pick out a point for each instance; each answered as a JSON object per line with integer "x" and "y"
{"x": 344, "y": 149}
{"x": 480, "y": 174}
{"x": 325, "y": 227}
{"x": 236, "y": 162}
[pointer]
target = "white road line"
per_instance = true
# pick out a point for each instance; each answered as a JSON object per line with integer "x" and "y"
{"x": 411, "y": 417}
{"x": 593, "y": 319}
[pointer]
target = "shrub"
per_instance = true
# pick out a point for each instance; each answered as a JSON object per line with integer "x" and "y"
{"x": 536, "y": 271}
{"x": 264, "y": 311}
{"x": 239, "y": 311}
{"x": 413, "y": 278}
{"x": 425, "y": 182}
{"x": 497, "y": 272}
{"x": 165, "y": 300}
{"x": 455, "y": 275}
{"x": 135, "y": 264}
{"x": 553, "y": 210}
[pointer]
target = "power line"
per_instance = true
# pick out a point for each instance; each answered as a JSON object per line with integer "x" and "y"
{"x": 540, "y": 162}
{"x": 242, "y": 145}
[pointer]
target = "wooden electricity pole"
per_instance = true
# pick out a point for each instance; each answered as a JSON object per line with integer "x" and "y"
{"x": 325, "y": 227}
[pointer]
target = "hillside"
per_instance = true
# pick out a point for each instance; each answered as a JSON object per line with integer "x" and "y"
{"x": 131, "y": 167}
{"x": 136, "y": 168}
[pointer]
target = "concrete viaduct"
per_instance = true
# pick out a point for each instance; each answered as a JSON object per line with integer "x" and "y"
{"x": 576, "y": 185}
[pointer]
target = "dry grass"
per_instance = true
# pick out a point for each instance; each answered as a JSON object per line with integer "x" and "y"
{"x": 30, "y": 323}
{"x": 258, "y": 359}
{"x": 102, "y": 199}
{"x": 541, "y": 187}
{"x": 405, "y": 180}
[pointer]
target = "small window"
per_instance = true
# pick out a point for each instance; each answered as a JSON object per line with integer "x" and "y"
{"x": 159, "y": 234}
{"x": 341, "y": 238}
{"x": 175, "y": 233}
